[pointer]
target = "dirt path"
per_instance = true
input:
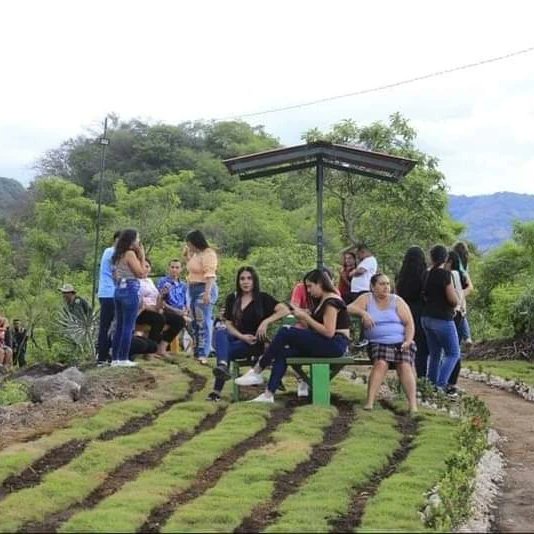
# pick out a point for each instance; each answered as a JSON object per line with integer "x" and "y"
{"x": 513, "y": 418}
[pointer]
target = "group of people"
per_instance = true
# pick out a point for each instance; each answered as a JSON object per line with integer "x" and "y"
{"x": 138, "y": 316}
{"x": 415, "y": 328}
{"x": 13, "y": 343}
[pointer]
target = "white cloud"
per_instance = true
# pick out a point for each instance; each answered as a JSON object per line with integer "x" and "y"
{"x": 69, "y": 64}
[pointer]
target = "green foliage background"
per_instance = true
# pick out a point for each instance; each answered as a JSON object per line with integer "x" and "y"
{"x": 168, "y": 179}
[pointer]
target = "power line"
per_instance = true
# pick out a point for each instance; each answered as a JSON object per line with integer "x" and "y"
{"x": 382, "y": 87}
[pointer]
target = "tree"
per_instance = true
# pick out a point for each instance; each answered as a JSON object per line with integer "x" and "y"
{"x": 388, "y": 217}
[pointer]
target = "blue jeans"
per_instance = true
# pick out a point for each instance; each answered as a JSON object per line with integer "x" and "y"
{"x": 228, "y": 348}
{"x": 202, "y": 318}
{"x": 107, "y": 312}
{"x": 295, "y": 342}
{"x": 464, "y": 332}
{"x": 126, "y": 308}
{"x": 441, "y": 335}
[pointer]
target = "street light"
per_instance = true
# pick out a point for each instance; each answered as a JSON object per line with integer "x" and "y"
{"x": 103, "y": 142}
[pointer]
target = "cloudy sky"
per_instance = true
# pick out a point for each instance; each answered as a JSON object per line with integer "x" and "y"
{"x": 66, "y": 64}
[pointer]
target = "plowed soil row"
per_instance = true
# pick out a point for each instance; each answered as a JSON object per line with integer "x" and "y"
{"x": 124, "y": 473}
{"x": 289, "y": 483}
{"x": 351, "y": 520}
{"x": 65, "y": 453}
{"x": 207, "y": 478}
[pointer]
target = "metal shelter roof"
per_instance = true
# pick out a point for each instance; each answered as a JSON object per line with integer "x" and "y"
{"x": 331, "y": 155}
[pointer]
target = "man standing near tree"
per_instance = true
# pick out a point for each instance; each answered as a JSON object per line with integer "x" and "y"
{"x": 360, "y": 282}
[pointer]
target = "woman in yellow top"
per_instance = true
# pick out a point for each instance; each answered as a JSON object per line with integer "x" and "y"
{"x": 203, "y": 290}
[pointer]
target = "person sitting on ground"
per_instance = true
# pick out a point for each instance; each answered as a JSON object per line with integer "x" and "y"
{"x": 440, "y": 301}
{"x": 409, "y": 286}
{"x": 345, "y": 277}
{"x": 20, "y": 343}
{"x": 389, "y": 327}
{"x": 150, "y": 314}
{"x": 6, "y": 353}
{"x": 327, "y": 334}
{"x": 248, "y": 314}
{"x": 73, "y": 304}
{"x": 175, "y": 306}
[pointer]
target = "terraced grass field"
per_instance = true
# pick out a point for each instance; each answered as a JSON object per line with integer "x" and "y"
{"x": 172, "y": 462}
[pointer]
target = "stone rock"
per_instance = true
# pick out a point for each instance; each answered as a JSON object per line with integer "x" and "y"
{"x": 66, "y": 385}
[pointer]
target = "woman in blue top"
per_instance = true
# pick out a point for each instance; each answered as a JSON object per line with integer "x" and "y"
{"x": 389, "y": 327}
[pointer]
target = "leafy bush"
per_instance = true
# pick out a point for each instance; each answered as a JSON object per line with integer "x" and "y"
{"x": 522, "y": 313}
{"x": 456, "y": 486}
{"x": 12, "y": 392}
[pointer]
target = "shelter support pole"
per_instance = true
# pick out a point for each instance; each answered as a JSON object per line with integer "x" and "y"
{"x": 319, "y": 191}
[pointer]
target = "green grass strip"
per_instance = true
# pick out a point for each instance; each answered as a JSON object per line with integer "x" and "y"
{"x": 399, "y": 499}
{"x": 171, "y": 384}
{"x": 327, "y": 494}
{"x": 130, "y": 507}
{"x": 223, "y": 507}
{"x": 508, "y": 369}
{"x": 73, "y": 482}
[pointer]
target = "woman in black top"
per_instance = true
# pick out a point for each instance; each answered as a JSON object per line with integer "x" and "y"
{"x": 409, "y": 286}
{"x": 327, "y": 334}
{"x": 440, "y": 301}
{"x": 247, "y": 314}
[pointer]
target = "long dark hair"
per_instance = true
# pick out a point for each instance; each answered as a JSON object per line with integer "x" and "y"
{"x": 411, "y": 272}
{"x": 124, "y": 243}
{"x": 237, "y": 312}
{"x": 322, "y": 278}
{"x": 197, "y": 239}
{"x": 463, "y": 253}
{"x": 454, "y": 259}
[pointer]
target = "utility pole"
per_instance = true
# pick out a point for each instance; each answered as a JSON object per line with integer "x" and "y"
{"x": 103, "y": 142}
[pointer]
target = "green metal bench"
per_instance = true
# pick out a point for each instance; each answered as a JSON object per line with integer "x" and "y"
{"x": 322, "y": 370}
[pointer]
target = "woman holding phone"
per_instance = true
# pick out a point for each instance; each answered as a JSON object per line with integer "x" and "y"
{"x": 327, "y": 332}
{"x": 128, "y": 262}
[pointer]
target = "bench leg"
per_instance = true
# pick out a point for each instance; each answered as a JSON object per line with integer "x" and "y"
{"x": 320, "y": 378}
{"x": 234, "y": 371}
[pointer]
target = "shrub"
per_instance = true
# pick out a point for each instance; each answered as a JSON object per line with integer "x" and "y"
{"x": 522, "y": 313}
{"x": 12, "y": 392}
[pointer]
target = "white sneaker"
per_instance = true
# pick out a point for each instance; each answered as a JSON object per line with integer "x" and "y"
{"x": 302, "y": 389}
{"x": 263, "y": 398}
{"x": 250, "y": 378}
{"x": 123, "y": 363}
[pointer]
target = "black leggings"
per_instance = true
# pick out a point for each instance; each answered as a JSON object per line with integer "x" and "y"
{"x": 158, "y": 321}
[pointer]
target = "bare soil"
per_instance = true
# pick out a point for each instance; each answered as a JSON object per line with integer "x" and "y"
{"x": 28, "y": 421}
{"x": 513, "y": 418}
{"x": 518, "y": 348}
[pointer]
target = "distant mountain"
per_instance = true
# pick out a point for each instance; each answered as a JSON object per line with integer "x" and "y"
{"x": 489, "y": 218}
{"x": 12, "y": 195}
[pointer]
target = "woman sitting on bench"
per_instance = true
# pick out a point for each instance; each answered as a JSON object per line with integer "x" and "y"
{"x": 326, "y": 335}
{"x": 389, "y": 327}
{"x": 247, "y": 312}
